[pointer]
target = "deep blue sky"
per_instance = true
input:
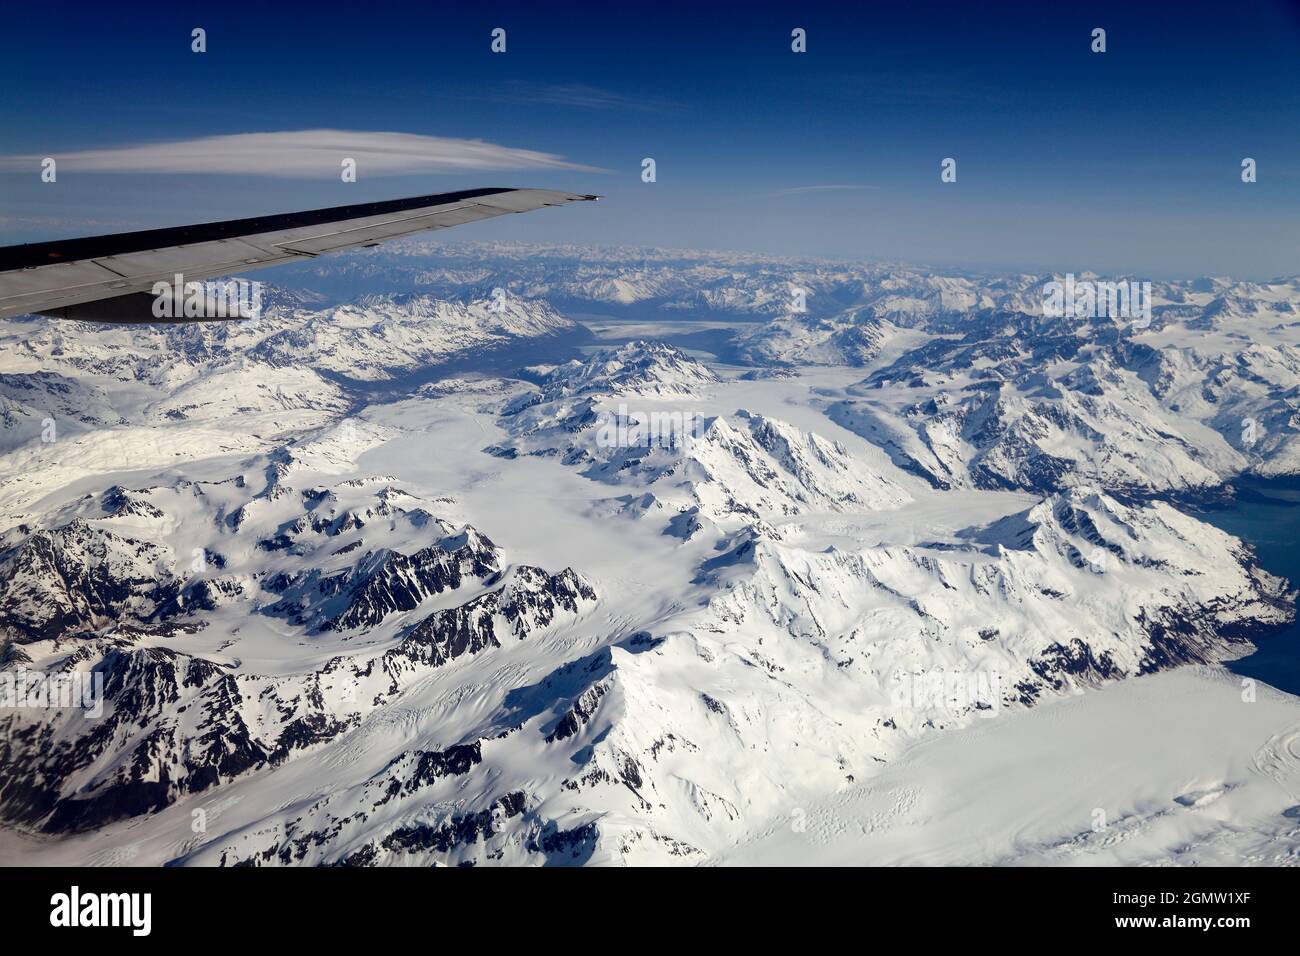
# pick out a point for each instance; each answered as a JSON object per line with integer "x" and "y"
{"x": 1124, "y": 162}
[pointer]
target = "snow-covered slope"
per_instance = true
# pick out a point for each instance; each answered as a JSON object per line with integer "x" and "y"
{"x": 1170, "y": 759}
{"x": 853, "y": 338}
{"x": 638, "y": 607}
{"x": 657, "y": 744}
{"x": 382, "y": 337}
{"x": 638, "y": 368}
{"x": 1018, "y": 402}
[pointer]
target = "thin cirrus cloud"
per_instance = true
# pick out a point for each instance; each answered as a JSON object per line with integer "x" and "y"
{"x": 303, "y": 153}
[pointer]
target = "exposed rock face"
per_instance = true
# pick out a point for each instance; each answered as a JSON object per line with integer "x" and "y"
{"x": 174, "y": 723}
{"x": 79, "y": 578}
{"x": 530, "y": 600}
{"x": 389, "y": 582}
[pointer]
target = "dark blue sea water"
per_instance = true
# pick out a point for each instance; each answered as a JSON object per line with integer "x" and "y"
{"x": 1266, "y": 513}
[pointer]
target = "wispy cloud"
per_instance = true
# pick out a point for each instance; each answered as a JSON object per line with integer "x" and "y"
{"x": 578, "y": 96}
{"x": 302, "y": 153}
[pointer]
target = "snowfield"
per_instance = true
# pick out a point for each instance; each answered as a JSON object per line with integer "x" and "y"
{"x": 408, "y": 579}
{"x": 1170, "y": 769}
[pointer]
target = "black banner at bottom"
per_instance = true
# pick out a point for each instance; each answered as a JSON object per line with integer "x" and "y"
{"x": 295, "y": 906}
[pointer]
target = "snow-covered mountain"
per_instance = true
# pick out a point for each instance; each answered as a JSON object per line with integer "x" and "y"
{"x": 290, "y": 365}
{"x": 655, "y": 744}
{"x": 382, "y": 337}
{"x": 850, "y": 338}
{"x": 1016, "y": 401}
{"x": 741, "y": 466}
{"x": 974, "y": 381}
{"x": 410, "y": 580}
{"x": 639, "y": 368}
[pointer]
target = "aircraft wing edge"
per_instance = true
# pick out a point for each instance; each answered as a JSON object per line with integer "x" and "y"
{"x": 67, "y": 278}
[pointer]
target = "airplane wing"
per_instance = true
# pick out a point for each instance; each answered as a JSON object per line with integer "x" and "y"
{"x": 109, "y": 278}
